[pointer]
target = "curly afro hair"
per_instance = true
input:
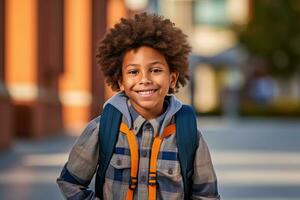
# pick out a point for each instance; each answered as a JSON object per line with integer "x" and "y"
{"x": 143, "y": 30}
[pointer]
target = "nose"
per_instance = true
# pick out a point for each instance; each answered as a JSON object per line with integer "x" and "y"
{"x": 146, "y": 78}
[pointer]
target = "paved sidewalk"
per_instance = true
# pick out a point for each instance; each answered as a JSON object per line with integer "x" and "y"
{"x": 29, "y": 170}
{"x": 255, "y": 159}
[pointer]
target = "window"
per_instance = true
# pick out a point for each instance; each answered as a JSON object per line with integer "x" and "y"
{"x": 210, "y": 12}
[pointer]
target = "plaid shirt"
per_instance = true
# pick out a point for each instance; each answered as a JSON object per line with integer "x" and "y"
{"x": 82, "y": 164}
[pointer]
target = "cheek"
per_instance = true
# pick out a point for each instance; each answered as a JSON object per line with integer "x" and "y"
{"x": 128, "y": 83}
{"x": 165, "y": 83}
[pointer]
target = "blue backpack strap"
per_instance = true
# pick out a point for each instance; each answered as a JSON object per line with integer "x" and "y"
{"x": 108, "y": 133}
{"x": 187, "y": 144}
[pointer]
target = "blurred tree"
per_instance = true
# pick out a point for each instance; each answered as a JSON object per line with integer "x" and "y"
{"x": 273, "y": 34}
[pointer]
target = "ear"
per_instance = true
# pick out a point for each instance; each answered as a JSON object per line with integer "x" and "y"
{"x": 173, "y": 79}
{"x": 121, "y": 86}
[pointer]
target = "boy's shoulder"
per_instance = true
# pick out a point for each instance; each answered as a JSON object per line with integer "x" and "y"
{"x": 89, "y": 132}
{"x": 92, "y": 124}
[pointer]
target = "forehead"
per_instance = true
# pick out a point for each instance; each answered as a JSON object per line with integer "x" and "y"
{"x": 143, "y": 55}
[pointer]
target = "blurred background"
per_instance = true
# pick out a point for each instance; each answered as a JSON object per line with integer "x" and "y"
{"x": 244, "y": 85}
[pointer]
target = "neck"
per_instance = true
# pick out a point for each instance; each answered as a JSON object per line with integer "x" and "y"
{"x": 149, "y": 116}
{"x": 149, "y": 113}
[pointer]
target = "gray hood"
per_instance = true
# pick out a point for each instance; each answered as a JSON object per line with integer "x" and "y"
{"x": 119, "y": 101}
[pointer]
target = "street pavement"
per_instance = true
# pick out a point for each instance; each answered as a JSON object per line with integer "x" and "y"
{"x": 254, "y": 159}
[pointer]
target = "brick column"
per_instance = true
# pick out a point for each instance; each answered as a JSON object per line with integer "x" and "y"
{"x": 47, "y": 116}
{"x": 98, "y": 28}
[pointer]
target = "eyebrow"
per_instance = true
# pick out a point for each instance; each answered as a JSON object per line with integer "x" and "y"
{"x": 151, "y": 63}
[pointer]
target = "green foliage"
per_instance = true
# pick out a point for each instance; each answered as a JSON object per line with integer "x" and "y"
{"x": 279, "y": 109}
{"x": 274, "y": 34}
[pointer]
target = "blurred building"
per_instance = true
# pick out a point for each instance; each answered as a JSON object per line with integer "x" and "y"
{"x": 49, "y": 80}
{"x": 226, "y": 79}
{"x": 217, "y": 58}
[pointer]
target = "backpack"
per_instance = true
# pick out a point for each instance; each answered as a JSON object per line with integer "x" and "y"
{"x": 185, "y": 120}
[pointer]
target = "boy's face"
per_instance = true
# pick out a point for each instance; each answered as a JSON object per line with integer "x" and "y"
{"x": 146, "y": 79}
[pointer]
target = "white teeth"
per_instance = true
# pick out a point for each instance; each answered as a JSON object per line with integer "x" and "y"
{"x": 146, "y": 92}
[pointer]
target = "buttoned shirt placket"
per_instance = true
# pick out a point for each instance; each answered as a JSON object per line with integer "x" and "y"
{"x": 145, "y": 149}
{"x": 145, "y": 132}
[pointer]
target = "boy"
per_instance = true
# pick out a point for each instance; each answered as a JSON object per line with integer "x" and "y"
{"x": 145, "y": 59}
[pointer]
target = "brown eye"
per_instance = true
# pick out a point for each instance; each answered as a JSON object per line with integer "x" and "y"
{"x": 156, "y": 70}
{"x": 133, "y": 72}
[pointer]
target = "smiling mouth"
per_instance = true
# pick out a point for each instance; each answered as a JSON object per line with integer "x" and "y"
{"x": 146, "y": 93}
